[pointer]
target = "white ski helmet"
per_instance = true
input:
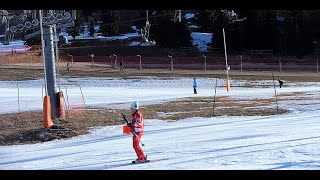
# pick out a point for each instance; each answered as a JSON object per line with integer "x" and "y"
{"x": 135, "y": 105}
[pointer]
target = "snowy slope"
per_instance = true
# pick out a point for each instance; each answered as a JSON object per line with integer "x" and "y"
{"x": 287, "y": 141}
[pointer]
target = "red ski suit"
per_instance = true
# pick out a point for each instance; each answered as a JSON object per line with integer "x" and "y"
{"x": 137, "y": 124}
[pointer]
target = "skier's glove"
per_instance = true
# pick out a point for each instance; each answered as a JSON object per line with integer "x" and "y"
{"x": 129, "y": 124}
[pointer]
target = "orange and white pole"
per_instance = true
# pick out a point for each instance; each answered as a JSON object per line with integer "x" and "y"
{"x": 225, "y": 54}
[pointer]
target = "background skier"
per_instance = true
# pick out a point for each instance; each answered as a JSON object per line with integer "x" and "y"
{"x": 280, "y": 83}
{"x": 121, "y": 65}
{"x": 195, "y": 85}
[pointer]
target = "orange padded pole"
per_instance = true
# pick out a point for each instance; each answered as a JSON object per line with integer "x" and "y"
{"x": 47, "y": 112}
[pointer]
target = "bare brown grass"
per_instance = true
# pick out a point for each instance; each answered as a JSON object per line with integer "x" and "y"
{"x": 23, "y": 128}
{"x": 27, "y": 127}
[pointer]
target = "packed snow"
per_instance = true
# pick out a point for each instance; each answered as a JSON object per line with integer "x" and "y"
{"x": 275, "y": 142}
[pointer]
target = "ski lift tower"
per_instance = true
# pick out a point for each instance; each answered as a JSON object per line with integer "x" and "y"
{"x": 42, "y": 23}
{"x": 177, "y": 16}
{"x": 232, "y": 17}
{"x": 145, "y": 31}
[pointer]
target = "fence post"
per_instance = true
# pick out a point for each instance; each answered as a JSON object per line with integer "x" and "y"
{"x": 139, "y": 61}
{"x": 241, "y": 62}
{"x": 71, "y": 59}
{"x": 66, "y": 102}
{"x": 275, "y": 92}
{"x": 205, "y": 62}
{"x": 317, "y": 65}
{"x": 280, "y": 64}
{"x": 30, "y": 58}
{"x": 171, "y": 62}
{"x": 115, "y": 61}
{"x": 92, "y": 61}
{"x": 18, "y": 97}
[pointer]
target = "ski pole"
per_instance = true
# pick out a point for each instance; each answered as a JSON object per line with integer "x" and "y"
{"x": 124, "y": 118}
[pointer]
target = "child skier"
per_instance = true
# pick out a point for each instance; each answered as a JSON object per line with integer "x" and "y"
{"x": 137, "y": 128}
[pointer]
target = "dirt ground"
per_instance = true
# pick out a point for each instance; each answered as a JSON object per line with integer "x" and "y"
{"x": 27, "y": 127}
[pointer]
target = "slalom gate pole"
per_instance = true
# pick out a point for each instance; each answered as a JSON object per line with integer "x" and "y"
{"x": 125, "y": 119}
{"x": 214, "y": 98}
{"x": 275, "y": 92}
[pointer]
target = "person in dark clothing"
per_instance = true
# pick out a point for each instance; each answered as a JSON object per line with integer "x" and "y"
{"x": 68, "y": 66}
{"x": 121, "y": 65}
{"x": 280, "y": 83}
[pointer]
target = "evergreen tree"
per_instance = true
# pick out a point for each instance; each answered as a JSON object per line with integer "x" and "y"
{"x": 219, "y": 21}
{"x": 204, "y": 19}
{"x": 91, "y": 28}
{"x": 110, "y": 25}
{"x": 303, "y": 38}
{"x": 142, "y": 18}
{"x": 170, "y": 34}
{"x": 184, "y": 34}
{"x": 287, "y": 32}
{"x": 77, "y": 29}
{"x": 33, "y": 41}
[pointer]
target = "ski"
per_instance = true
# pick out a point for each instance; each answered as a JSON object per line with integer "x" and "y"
{"x": 144, "y": 161}
{"x": 139, "y": 162}
{"x": 128, "y": 164}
